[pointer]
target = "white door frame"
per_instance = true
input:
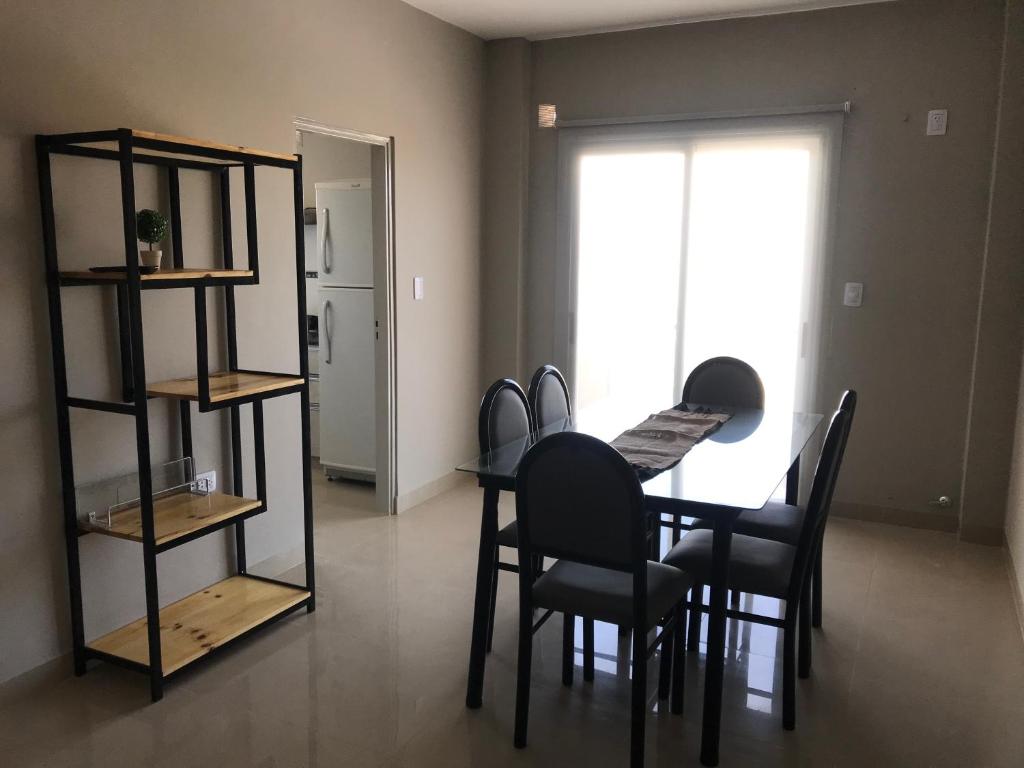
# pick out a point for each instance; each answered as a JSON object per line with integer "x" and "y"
{"x": 665, "y": 135}
{"x": 385, "y": 297}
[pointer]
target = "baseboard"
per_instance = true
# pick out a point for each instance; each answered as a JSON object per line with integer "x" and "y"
{"x": 276, "y": 565}
{"x": 406, "y": 501}
{"x": 982, "y": 534}
{"x": 25, "y": 685}
{"x": 1016, "y": 584}
{"x": 908, "y": 518}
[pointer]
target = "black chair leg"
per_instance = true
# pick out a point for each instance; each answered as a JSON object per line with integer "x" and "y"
{"x": 523, "y": 678}
{"x": 816, "y": 598}
{"x": 494, "y": 602}
{"x": 665, "y": 662}
{"x": 804, "y": 621}
{"x": 588, "y": 650}
{"x": 789, "y": 678}
{"x": 677, "y": 520}
{"x": 568, "y": 647}
{"x": 693, "y": 633}
{"x": 638, "y": 701}
{"x": 679, "y": 659}
{"x": 734, "y": 599}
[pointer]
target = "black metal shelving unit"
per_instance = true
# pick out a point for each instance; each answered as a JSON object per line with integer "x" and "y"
{"x": 214, "y": 617}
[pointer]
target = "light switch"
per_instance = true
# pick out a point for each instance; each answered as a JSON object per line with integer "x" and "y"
{"x": 853, "y": 294}
{"x": 937, "y": 122}
{"x": 417, "y": 288}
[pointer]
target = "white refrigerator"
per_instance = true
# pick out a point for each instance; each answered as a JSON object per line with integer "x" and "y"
{"x": 344, "y": 248}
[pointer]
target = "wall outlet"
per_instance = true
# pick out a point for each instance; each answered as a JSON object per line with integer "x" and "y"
{"x": 937, "y": 122}
{"x": 853, "y": 294}
{"x": 206, "y": 482}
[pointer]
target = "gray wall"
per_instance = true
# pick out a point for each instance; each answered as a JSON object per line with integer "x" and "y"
{"x": 912, "y": 209}
{"x": 237, "y": 71}
{"x": 999, "y": 329}
{"x": 328, "y": 158}
{"x": 506, "y": 164}
{"x": 1008, "y": 219}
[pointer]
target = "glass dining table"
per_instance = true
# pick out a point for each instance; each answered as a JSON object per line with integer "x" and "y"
{"x": 737, "y": 467}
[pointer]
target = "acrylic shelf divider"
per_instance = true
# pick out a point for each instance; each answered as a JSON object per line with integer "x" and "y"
{"x": 178, "y": 516}
{"x": 198, "y": 624}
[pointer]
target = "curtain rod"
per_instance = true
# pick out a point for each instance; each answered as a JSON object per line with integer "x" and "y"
{"x": 843, "y": 107}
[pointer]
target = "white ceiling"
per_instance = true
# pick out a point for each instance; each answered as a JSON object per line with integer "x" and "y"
{"x": 539, "y": 19}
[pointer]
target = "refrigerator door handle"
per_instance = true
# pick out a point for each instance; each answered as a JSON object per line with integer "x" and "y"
{"x": 325, "y": 264}
{"x": 325, "y": 313}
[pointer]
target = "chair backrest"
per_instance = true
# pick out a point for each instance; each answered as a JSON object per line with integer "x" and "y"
{"x": 724, "y": 381}
{"x": 825, "y": 473}
{"x": 504, "y": 415}
{"x": 549, "y": 396}
{"x": 578, "y": 499}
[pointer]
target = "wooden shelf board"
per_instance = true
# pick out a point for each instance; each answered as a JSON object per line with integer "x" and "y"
{"x": 223, "y": 386}
{"x": 177, "y": 515}
{"x": 211, "y": 145}
{"x": 162, "y": 274}
{"x": 201, "y": 622}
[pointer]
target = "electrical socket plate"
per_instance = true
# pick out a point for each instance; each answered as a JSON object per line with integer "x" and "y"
{"x": 937, "y": 122}
{"x": 206, "y": 482}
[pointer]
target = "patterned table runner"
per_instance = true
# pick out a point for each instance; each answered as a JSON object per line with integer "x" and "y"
{"x": 664, "y": 438}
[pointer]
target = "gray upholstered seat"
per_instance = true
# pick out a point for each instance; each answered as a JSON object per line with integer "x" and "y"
{"x": 759, "y": 566}
{"x": 775, "y": 521}
{"x": 607, "y": 595}
{"x": 509, "y": 536}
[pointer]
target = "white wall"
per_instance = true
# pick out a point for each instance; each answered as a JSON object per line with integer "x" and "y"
{"x": 237, "y": 71}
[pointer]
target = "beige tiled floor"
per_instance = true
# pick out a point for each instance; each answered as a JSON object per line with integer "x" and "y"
{"x": 920, "y": 664}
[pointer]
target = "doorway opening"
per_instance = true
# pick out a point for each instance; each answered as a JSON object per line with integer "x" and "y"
{"x": 690, "y": 244}
{"x": 348, "y": 199}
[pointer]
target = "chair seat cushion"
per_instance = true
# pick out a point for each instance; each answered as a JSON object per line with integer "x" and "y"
{"x": 775, "y": 521}
{"x": 607, "y": 595}
{"x": 509, "y": 536}
{"x": 757, "y": 566}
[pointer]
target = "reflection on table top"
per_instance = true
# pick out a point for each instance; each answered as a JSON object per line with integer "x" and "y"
{"x": 739, "y": 466}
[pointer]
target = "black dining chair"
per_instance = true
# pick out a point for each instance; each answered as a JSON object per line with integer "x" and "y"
{"x": 550, "y": 402}
{"x": 723, "y": 381}
{"x": 783, "y": 522}
{"x": 578, "y": 500}
{"x": 549, "y": 396}
{"x": 731, "y": 383}
{"x": 775, "y": 569}
{"x": 505, "y": 417}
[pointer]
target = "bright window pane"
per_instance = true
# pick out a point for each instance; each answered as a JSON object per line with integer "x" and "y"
{"x": 629, "y": 238}
{"x": 747, "y": 258}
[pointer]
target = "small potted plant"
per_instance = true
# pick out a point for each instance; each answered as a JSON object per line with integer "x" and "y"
{"x": 151, "y": 227}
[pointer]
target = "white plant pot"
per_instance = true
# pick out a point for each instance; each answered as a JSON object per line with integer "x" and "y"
{"x": 150, "y": 258}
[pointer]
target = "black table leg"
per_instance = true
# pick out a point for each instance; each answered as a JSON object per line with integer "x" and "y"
{"x": 816, "y": 596}
{"x": 793, "y": 483}
{"x": 482, "y": 604}
{"x": 712, "y": 720}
